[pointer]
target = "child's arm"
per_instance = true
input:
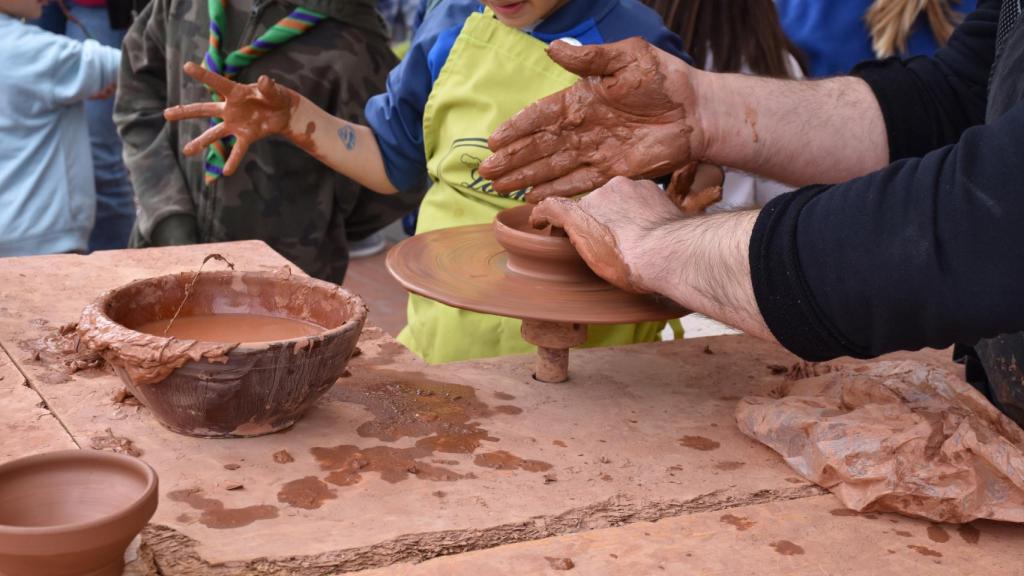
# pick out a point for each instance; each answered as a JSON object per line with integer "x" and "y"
{"x": 254, "y": 111}
{"x": 83, "y": 70}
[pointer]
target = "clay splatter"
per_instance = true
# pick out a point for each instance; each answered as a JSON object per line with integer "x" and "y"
{"x": 559, "y": 443}
{"x": 738, "y": 522}
{"x": 283, "y": 457}
{"x": 232, "y": 466}
{"x": 560, "y": 563}
{"x": 504, "y": 396}
{"x": 307, "y": 493}
{"x": 843, "y": 512}
{"x": 348, "y": 464}
{"x": 508, "y": 409}
{"x": 969, "y": 533}
{"x": 925, "y": 551}
{"x": 937, "y": 534}
{"x": 786, "y": 548}
{"x": 795, "y": 480}
{"x": 113, "y": 443}
{"x": 502, "y": 460}
{"x": 699, "y": 443}
{"x": 413, "y": 405}
{"x": 216, "y": 516}
{"x": 903, "y": 533}
{"x": 728, "y": 466}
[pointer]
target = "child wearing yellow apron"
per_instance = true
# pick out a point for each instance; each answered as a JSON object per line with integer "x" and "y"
{"x": 454, "y": 88}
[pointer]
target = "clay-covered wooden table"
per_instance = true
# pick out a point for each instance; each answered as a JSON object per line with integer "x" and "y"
{"x": 474, "y": 465}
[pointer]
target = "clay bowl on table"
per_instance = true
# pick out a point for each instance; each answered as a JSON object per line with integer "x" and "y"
{"x": 73, "y": 512}
{"x": 226, "y": 389}
{"x": 537, "y": 253}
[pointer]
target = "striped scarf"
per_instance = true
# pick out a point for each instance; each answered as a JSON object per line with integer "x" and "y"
{"x": 291, "y": 26}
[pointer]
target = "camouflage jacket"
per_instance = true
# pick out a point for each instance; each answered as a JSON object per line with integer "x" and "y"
{"x": 279, "y": 194}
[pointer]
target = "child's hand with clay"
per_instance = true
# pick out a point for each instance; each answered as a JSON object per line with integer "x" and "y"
{"x": 630, "y": 115}
{"x": 250, "y": 112}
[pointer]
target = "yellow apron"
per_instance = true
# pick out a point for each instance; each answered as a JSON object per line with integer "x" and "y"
{"x": 493, "y": 71}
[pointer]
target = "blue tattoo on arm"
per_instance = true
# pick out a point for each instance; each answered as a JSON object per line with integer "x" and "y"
{"x": 348, "y": 137}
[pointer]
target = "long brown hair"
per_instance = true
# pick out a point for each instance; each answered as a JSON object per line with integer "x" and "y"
{"x": 736, "y": 32}
{"x": 890, "y": 21}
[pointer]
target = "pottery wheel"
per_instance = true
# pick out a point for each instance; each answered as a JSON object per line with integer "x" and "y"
{"x": 466, "y": 268}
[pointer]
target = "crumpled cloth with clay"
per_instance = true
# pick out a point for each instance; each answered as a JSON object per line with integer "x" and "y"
{"x": 902, "y": 437}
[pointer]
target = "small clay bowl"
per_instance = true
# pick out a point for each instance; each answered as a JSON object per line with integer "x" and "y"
{"x": 215, "y": 390}
{"x": 538, "y": 253}
{"x": 72, "y": 512}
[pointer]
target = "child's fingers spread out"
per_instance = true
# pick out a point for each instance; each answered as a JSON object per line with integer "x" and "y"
{"x": 205, "y": 139}
{"x": 220, "y": 84}
{"x": 235, "y": 158}
{"x": 199, "y": 110}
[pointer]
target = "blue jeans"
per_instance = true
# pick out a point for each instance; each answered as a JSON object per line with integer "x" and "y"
{"x": 115, "y": 205}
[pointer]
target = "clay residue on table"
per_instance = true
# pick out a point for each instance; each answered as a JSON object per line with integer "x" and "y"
{"x": 443, "y": 416}
{"x": 560, "y": 564}
{"x": 215, "y": 515}
{"x": 113, "y": 443}
{"x": 699, "y": 443}
{"x": 283, "y": 457}
{"x": 348, "y": 463}
{"x": 738, "y": 522}
{"x": 787, "y": 548}
{"x": 969, "y": 533}
{"x": 61, "y": 349}
{"x": 503, "y": 460}
{"x": 307, "y": 493}
{"x": 925, "y": 551}
{"x": 937, "y": 534}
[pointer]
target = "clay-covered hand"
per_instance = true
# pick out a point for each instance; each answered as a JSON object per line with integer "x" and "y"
{"x": 614, "y": 229}
{"x": 630, "y": 115}
{"x": 696, "y": 186}
{"x": 248, "y": 112}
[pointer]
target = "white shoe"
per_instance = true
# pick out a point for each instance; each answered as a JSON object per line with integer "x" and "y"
{"x": 372, "y": 244}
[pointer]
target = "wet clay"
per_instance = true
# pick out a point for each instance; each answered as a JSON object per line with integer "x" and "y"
{"x": 72, "y": 512}
{"x": 231, "y": 328}
{"x": 502, "y": 460}
{"x": 738, "y": 522}
{"x": 465, "y": 267}
{"x": 937, "y": 534}
{"x": 925, "y": 551}
{"x": 844, "y": 512}
{"x": 225, "y": 389}
{"x": 307, "y": 493}
{"x": 348, "y": 463}
{"x": 119, "y": 444}
{"x": 621, "y": 119}
{"x": 504, "y": 396}
{"x": 283, "y": 457}
{"x": 699, "y": 443}
{"x": 215, "y": 515}
{"x": 787, "y": 548}
{"x": 442, "y": 416}
{"x": 729, "y": 466}
{"x": 560, "y": 563}
{"x": 969, "y": 533}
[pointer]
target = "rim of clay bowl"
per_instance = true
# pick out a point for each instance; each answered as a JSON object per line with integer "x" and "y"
{"x": 535, "y": 243}
{"x": 357, "y": 306}
{"x": 123, "y": 511}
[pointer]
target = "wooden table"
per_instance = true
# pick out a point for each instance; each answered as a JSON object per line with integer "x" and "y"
{"x": 634, "y": 466}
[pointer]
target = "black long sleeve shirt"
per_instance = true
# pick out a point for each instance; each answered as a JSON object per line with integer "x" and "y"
{"x": 929, "y": 250}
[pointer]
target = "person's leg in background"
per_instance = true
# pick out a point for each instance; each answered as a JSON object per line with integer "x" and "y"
{"x": 115, "y": 206}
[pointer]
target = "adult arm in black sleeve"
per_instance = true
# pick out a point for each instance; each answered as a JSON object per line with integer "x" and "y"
{"x": 928, "y": 102}
{"x": 926, "y": 252}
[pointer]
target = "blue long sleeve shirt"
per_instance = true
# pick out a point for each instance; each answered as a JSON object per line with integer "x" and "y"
{"x": 47, "y": 194}
{"x": 396, "y": 116}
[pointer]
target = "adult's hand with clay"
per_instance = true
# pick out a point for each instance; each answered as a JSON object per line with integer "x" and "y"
{"x": 632, "y": 235}
{"x": 248, "y": 112}
{"x": 630, "y": 115}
